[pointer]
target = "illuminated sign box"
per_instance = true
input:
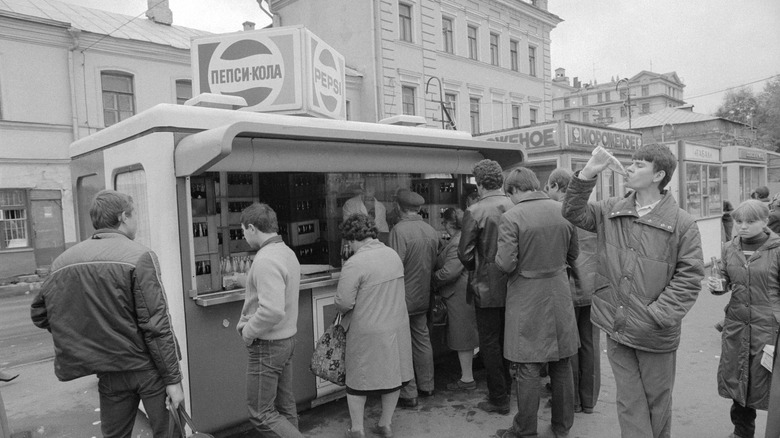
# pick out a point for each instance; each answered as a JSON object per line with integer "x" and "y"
{"x": 286, "y": 70}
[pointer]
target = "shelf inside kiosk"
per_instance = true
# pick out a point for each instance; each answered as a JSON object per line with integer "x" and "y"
{"x": 309, "y": 209}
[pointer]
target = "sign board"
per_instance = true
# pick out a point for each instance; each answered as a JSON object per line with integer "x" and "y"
{"x": 537, "y": 136}
{"x": 695, "y": 152}
{"x": 592, "y": 137}
{"x": 752, "y": 154}
{"x": 286, "y": 70}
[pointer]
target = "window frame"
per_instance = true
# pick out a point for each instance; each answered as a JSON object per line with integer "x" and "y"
{"x": 514, "y": 51}
{"x": 494, "y": 49}
{"x": 451, "y": 98}
{"x": 474, "y": 114}
{"x": 473, "y": 42}
{"x": 179, "y": 98}
{"x": 405, "y": 104}
{"x": 25, "y": 228}
{"x": 516, "y": 118}
{"x": 446, "y": 34}
{"x": 405, "y": 29}
{"x": 532, "y": 60}
{"x": 533, "y": 115}
{"x": 116, "y": 95}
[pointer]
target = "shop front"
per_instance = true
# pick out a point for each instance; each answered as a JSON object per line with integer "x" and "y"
{"x": 744, "y": 169}
{"x": 192, "y": 170}
{"x": 569, "y": 144}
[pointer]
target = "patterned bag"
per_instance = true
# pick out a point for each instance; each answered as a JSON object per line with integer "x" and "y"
{"x": 439, "y": 311}
{"x": 327, "y": 361}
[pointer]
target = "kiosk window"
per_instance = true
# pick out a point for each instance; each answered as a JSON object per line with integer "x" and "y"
{"x": 13, "y": 219}
{"x": 133, "y": 183}
{"x": 749, "y": 179}
{"x": 703, "y": 189}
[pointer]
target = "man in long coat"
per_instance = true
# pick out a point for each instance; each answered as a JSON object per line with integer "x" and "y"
{"x": 535, "y": 246}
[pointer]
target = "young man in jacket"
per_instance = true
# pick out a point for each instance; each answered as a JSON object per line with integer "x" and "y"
{"x": 649, "y": 274}
{"x": 586, "y": 364}
{"x": 477, "y": 252}
{"x": 106, "y": 309}
{"x": 268, "y": 324}
{"x": 417, "y": 244}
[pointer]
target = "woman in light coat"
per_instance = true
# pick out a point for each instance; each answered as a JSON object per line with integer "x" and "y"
{"x": 371, "y": 297}
{"x": 750, "y": 263}
{"x": 451, "y": 280}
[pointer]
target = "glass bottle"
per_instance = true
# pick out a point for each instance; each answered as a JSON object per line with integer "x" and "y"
{"x": 715, "y": 274}
{"x": 614, "y": 163}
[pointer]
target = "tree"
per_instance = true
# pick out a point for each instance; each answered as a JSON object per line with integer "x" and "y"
{"x": 761, "y": 112}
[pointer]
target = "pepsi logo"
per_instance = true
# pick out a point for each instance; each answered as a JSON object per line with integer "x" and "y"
{"x": 247, "y": 68}
{"x": 327, "y": 77}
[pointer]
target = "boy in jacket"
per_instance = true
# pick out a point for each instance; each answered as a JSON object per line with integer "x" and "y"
{"x": 649, "y": 273}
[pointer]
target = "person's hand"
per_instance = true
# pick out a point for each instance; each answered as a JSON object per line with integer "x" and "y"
{"x": 175, "y": 396}
{"x": 596, "y": 164}
{"x": 714, "y": 285}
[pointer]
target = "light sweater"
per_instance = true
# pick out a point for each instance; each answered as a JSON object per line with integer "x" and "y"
{"x": 270, "y": 309}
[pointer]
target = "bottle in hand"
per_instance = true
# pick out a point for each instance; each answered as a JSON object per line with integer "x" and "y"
{"x": 716, "y": 279}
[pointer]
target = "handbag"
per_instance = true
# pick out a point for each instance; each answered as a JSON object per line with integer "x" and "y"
{"x": 327, "y": 361}
{"x": 181, "y": 418}
{"x": 439, "y": 311}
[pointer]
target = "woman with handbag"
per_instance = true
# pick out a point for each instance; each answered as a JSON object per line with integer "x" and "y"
{"x": 451, "y": 280}
{"x": 371, "y": 297}
{"x": 750, "y": 264}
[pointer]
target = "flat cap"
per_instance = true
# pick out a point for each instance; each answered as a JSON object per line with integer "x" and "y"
{"x": 409, "y": 198}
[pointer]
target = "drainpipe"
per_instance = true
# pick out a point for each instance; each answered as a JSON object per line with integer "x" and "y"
{"x": 74, "y": 118}
{"x": 376, "y": 55}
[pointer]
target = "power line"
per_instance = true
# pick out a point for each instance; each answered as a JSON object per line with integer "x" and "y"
{"x": 731, "y": 88}
{"x": 123, "y": 25}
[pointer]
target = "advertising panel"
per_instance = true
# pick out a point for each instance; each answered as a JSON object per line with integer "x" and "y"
{"x": 286, "y": 70}
{"x": 537, "y": 136}
{"x": 592, "y": 137}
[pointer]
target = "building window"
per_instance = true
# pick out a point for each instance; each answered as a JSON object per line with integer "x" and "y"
{"x": 451, "y": 103}
{"x": 515, "y": 116}
{"x": 567, "y": 116}
{"x": 584, "y": 100}
{"x": 183, "y": 91}
{"x": 405, "y": 22}
{"x": 600, "y": 97}
{"x": 513, "y": 55}
{"x": 532, "y": 60}
{"x": 474, "y": 114}
{"x": 118, "y": 97}
{"x": 348, "y": 110}
{"x": 622, "y": 111}
{"x": 608, "y": 114}
{"x": 645, "y": 108}
{"x": 472, "y": 34}
{"x": 494, "y": 49}
{"x": 446, "y": 34}
{"x": 566, "y": 102}
{"x": 645, "y": 90}
{"x": 585, "y": 117}
{"x": 13, "y": 219}
{"x": 532, "y": 115}
{"x": 407, "y": 100}
{"x": 607, "y": 96}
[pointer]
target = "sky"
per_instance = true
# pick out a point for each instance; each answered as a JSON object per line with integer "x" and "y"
{"x": 713, "y": 45}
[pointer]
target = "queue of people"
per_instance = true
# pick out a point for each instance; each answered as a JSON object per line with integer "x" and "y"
{"x": 529, "y": 276}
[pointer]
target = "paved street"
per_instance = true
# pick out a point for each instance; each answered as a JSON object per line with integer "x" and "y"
{"x": 37, "y": 403}
{"x": 20, "y": 341}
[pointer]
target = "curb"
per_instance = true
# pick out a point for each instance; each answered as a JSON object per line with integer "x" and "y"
{"x": 19, "y": 289}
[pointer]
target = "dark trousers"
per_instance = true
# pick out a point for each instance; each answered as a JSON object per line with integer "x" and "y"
{"x": 527, "y": 386}
{"x": 586, "y": 364}
{"x": 744, "y": 420}
{"x": 120, "y": 393}
{"x": 490, "y": 325}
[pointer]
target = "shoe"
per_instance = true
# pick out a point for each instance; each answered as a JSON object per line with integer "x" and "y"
{"x": 587, "y": 410}
{"x": 407, "y": 403}
{"x": 460, "y": 385}
{"x": 354, "y": 434}
{"x": 421, "y": 393}
{"x": 5, "y": 377}
{"x": 558, "y": 434}
{"x": 383, "y": 431}
{"x": 490, "y": 407}
{"x": 505, "y": 433}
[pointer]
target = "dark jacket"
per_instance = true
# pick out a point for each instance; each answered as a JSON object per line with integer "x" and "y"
{"x": 650, "y": 267}
{"x": 477, "y": 249}
{"x": 774, "y": 221}
{"x": 416, "y": 243}
{"x": 583, "y": 274}
{"x": 535, "y": 245}
{"x": 752, "y": 321}
{"x": 105, "y": 307}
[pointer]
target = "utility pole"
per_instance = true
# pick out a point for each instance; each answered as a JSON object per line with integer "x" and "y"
{"x": 627, "y": 104}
